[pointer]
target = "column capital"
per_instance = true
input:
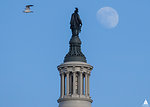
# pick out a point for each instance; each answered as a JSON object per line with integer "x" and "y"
{"x": 80, "y": 72}
{"x": 73, "y": 68}
{"x": 61, "y": 73}
{"x": 74, "y": 72}
{"x": 88, "y": 73}
{"x": 65, "y": 68}
{"x": 67, "y": 72}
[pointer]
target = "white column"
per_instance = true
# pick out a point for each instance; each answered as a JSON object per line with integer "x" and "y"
{"x": 81, "y": 81}
{"x": 62, "y": 85}
{"x": 67, "y": 83}
{"x": 74, "y": 82}
{"x": 86, "y": 84}
{"x": 70, "y": 84}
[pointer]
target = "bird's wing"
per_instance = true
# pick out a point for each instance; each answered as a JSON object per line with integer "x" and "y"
{"x": 29, "y": 6}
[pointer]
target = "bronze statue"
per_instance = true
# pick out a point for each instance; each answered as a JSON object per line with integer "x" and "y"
{"x": 75, "y": 23}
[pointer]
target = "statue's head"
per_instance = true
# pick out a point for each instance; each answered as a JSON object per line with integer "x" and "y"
{"x": 76, "y": 11}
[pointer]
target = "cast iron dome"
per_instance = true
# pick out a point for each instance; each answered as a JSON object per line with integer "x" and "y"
{"x": 75, "y": 53}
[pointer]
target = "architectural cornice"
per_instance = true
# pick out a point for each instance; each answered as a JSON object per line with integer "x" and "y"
{"x": 75, "y": 98}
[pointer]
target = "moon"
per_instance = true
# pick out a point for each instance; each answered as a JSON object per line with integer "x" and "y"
{"x": 108, "y": 17}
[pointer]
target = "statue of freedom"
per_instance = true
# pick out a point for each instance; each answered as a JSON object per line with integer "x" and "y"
{"x": 75, "y": 23}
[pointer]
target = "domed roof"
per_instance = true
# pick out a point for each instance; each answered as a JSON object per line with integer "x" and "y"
{"x": 75, "y": 53}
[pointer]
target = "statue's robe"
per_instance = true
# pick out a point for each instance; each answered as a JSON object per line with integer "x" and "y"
{"x": 75, "y": 21}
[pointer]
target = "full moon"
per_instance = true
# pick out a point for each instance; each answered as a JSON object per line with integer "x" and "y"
{"x": 108, "y": 17}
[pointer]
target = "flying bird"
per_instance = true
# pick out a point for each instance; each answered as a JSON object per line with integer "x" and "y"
{"x": 27, "y": 9}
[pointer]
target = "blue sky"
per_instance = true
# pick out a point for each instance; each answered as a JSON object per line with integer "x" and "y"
{"x": 33, "y": 45}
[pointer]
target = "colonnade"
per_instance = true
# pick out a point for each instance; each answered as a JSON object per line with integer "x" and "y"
{"x": 74, "y": 83}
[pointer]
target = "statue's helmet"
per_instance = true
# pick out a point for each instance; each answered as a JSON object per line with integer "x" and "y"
{"x": 76, "y": 10}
